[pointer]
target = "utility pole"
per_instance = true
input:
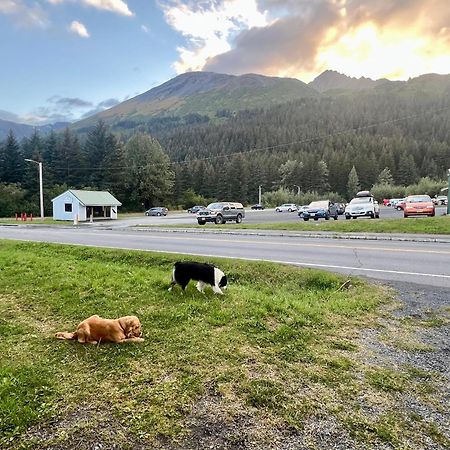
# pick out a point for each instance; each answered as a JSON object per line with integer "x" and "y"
{"x": 41, "y": 190}
{"x": 259, "y": 194}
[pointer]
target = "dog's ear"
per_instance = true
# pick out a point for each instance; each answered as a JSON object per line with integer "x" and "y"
{"x": 223, "y": 282}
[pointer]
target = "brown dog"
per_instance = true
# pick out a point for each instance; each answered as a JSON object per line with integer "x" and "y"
{"x": 94, "y": 330}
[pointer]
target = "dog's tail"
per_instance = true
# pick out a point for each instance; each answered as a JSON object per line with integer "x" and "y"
{"x": 66, "y": 335}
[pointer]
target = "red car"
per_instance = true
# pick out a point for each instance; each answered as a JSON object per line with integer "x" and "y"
{"x": 418, "y": 205}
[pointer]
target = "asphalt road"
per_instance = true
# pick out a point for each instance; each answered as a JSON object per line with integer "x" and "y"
{"x": 425, "y": 263}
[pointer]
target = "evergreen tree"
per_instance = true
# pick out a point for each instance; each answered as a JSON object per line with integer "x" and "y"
{"x": 353, "y": 185}
{"x": 385, "y": 177}
{"x": 13, "y": 161}
{"x": 99, "y": 143}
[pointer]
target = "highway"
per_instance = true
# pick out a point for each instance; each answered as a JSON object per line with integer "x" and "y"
{"x": 426, "y": 263}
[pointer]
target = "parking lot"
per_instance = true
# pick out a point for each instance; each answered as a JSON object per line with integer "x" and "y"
{"x": 265, "y": 216}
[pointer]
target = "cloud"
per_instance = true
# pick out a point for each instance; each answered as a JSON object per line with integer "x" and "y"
{"x": 116, "y": 6}
{"x": 69, "y": 102}
{"x": 208, "y": 27}
{"x": 301, "y": 38}
{"x": 145, "y": 28}
{"x": 105, "y": 104}
{"x": 23, "y": 14}
{"x": 78, "y": 28}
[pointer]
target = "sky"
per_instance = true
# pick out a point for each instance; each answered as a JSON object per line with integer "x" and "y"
{"x": 62, "y": 60}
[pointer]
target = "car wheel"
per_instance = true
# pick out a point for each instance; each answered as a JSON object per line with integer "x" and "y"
{"x": 316, "y": 218}
{"x": 372, "y": 215}
{"x": 277, "y": 210}
{"x": 354, "y": 217}
{"x": 239, "y": 218}
{"x": 158, "y": 214}
{"x": 405, "y": 216}
{"x": 219, "y": 219}
{"x": 398, "y": 208}
{"x": 335, "y": 217}
{"x": 347, "y": 217}
{"x": 377, "y": 215}
{"x": 327, "y": 217}
{"x": 306, "y": 219}
{"x": 201, "y": 222}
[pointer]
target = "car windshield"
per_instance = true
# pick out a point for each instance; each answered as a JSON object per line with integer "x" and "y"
{"x": 418, "y": 199}
{"x": 359, "y": 200}
{"x": 215, "y": 206}
{"x": 320, "y": 204}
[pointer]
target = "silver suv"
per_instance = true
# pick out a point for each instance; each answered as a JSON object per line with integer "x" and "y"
{"x": 221, "y": 212}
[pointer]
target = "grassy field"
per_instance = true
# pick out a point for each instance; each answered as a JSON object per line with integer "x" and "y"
{"x": 422, "y": 225}
{"x": 278, "y": 349}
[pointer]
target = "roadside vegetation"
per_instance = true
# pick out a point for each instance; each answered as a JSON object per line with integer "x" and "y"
{"x": 278, "y": 350}
{"x": 422, "y": 225}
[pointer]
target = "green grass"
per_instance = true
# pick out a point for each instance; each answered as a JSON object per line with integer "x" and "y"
{"x": 279, "y": 345}
{"x": 423, "y": 225}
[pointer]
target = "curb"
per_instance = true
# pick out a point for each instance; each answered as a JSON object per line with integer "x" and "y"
{"x": 293, "y": 234}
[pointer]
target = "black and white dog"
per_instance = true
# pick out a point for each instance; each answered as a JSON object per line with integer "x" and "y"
{"x": 204, "y": 274}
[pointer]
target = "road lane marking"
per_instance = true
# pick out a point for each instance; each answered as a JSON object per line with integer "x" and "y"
{"x": 294, "y": 263}
{"x": 290, "y": 244}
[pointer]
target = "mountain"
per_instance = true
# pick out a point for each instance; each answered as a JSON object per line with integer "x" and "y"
{"x": 22, "y": 130}
{"x": 331, "y": 80}
{"x": 203, "y": 93}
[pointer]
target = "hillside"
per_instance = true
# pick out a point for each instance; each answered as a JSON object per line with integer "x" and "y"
{"x": 202, "y": 93}
{"x": 22, "y": 130}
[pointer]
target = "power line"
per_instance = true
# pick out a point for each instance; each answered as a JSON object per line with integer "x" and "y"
{"x": 271, "y": 147}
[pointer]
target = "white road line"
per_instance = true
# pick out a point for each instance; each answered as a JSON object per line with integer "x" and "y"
{"x": 294, "y": 263}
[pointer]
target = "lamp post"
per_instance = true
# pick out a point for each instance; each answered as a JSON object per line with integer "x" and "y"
{"x": 41, "y": 191}
{"x": 448, "y": 192}
{"x": 259, "y": 194}
{"x": 298, "y": 189}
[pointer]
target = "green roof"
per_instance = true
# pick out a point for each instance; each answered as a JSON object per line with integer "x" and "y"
{"x": 95, "y": 198}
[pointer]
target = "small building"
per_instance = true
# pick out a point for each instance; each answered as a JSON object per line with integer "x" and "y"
{"x": 82, "y": 206}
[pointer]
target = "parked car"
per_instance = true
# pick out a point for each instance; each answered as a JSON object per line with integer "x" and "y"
{"x": 323, "y": 209}
{"x": 400, "y": 205}
{"x": 289, "y": 207}
{"x": 221, "y": 212}
{"x": 363, "y": 205}
{"x": 386, "y": 201}
{"x": 157, "y": 211}
{"x": 302, "y": 209}
{"x": 440, "y": 200}
{"x": 195, "y": 209}
{"x": 258, "y": 206}
{"x": 418, "y": 205}
{"x": 394, "y": 201}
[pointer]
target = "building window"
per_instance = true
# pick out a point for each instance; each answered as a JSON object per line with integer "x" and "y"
{"x": 68, "y": 207}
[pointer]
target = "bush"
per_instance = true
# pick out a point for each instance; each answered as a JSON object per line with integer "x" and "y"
{"x": 424, "y": 186}
{"x": 283, "y": 195}
{"x": 12, "y": 200}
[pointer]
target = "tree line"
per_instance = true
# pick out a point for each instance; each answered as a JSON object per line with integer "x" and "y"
{"x": 329, "y": 146}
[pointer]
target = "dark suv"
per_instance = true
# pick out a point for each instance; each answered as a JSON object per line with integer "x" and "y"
{"x": 323, "y": 209}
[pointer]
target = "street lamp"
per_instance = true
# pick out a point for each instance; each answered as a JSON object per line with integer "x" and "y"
{"x": 298, "y": 189}
{"x": 41, "y": 191}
